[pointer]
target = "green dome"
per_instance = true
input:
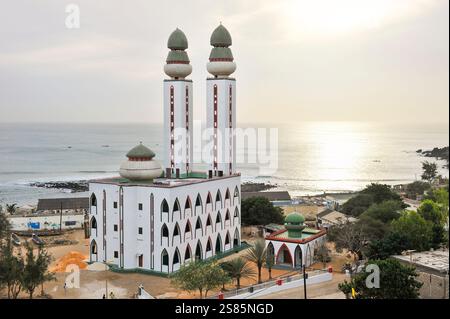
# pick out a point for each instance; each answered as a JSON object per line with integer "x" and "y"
{"x": 220, "y": 37}
{"x": 177, "y": 40}
{"x": 294, "y": 218}
{"x": 221, "y": 53}
{"x": 140, "y": 151}
{"x": 177, "y": 56}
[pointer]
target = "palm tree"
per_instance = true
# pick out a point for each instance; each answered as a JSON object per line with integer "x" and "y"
{"x": 11, "y": 208}
{"x": 238, "y": 268}
{"x": 258, "y": 254}
{"x": 270, "y": 261}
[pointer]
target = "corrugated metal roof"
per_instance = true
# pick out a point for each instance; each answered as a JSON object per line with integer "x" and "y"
{"x": 271, "y": 196}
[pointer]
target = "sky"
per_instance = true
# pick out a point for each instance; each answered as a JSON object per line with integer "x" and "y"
{"x": 297, "y": 60}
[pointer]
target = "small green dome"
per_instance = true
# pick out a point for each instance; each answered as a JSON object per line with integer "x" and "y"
{"x": 294, "y": 218}
{"x": 177, "y": 56}
{"x": 140, "y": 151}
{"x": 220, "y": 37}
{"x": 221, "y": 53}
{"x": 177, "y": 40}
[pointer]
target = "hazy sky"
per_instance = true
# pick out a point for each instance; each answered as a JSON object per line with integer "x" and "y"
{"x": 296, "y": 60}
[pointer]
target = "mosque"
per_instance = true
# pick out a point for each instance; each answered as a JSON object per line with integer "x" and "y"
{"x": 294, "y": 245}
{"x": 157, "y": 216}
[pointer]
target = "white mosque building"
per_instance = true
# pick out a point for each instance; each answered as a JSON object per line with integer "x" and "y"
{"x": 157, "y": 217}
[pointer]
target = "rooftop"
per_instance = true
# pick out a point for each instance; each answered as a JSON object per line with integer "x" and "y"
{"x": 308, "y": 234}
{"x": 335, "y": 217}
{"x": 435, "y": 261}
{"x": 271, "y": 196}
{"x": 191, "y": 178}
{"x": 65, "y": 203}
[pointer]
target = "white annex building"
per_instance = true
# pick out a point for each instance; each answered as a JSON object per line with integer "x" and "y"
{"x": 157, "y": 217}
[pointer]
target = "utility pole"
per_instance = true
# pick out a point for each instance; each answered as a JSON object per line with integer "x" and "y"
{"x": 60, "y": 218}
{"x": 305, "y": 276}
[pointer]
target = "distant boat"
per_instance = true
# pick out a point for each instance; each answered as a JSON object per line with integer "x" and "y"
{"x": 376, "y": 161}
{"x": 15, "y": 239}
{"x": 69, "y": 146}
{"x": 106, "y": 145}
{"x": 35, "y": 238}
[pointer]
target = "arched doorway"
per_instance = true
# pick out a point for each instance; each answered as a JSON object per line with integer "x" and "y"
{"x": 93, "y": 251}
{"x": 298, "y": 257}
{"x": 284, "y": 256}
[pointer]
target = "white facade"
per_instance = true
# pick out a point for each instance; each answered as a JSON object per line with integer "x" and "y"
{"x": 221, "y": 122}
{"x": 159, "y": 227}
{"x": 178, "y": 126}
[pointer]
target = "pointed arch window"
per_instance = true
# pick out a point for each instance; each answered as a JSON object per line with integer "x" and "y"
{"x": 164, "y": 235}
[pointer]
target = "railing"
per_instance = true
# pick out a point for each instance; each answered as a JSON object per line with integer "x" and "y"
{"x": 259, "y": 287}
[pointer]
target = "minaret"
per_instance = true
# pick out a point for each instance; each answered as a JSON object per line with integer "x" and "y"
{"x": 178, "y": 108}
{"x": 221, "y": 104}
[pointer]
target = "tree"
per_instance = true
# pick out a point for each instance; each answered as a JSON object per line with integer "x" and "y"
{"x": 322, "y": 254}
{"x": 429, "y": 171}
{"x": 260, "y": 211}
{"x": 350, "y": 236}
{"x": 417, "y": 188}
{"x": 397, "y": 281}
{"x": 257, "y": 254}
{"x": 415, "y": 228}
{"x": 270, "y": 261}
{"x": 357, "y": 205}
{"x": 431, "y": 212}
{"x": 199, "y": 276}
{"x": 11, "y": 269}
{"x": 392, "y": 244}
{"x": 381, "y": 192}
{"x": 372, "y": 194}
{"x": 440, "y": 196}
{"x": 354, "y": 237}
{"x": 36, "y": 269}
{"x": 438, "y": 236}
{"x": 238, "y": 268}
{"x": 4, "y": 226}
{"x": 385, "y": 211}
{"x": 11, "y": 208}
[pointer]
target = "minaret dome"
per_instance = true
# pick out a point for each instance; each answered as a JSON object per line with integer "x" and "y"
{"x": 177, "y": 62}
{"x": 221, "y": 62}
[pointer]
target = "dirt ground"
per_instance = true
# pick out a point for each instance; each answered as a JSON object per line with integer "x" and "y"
{"x": 93, "y": 283}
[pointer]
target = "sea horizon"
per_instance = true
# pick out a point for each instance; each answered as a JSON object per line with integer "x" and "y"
{"x": 313, "y": 157}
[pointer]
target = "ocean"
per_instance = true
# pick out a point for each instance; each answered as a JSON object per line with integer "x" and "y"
{"x": 312, "y": 157}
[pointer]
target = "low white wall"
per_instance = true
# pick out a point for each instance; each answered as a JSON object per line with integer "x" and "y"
{"x": 20, "y": 223}
{"x": 327, "y": 276}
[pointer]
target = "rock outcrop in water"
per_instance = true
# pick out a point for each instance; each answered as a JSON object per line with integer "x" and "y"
{"x": 73, "y": 186}
{"x": 438, "y": 153}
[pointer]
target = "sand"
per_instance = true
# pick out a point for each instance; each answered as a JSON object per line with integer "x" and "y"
{"x": 71, "y": 258}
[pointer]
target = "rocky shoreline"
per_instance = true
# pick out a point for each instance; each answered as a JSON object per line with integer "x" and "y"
{"x": 438, "y": 153}
{"x": 72, "y": 186}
